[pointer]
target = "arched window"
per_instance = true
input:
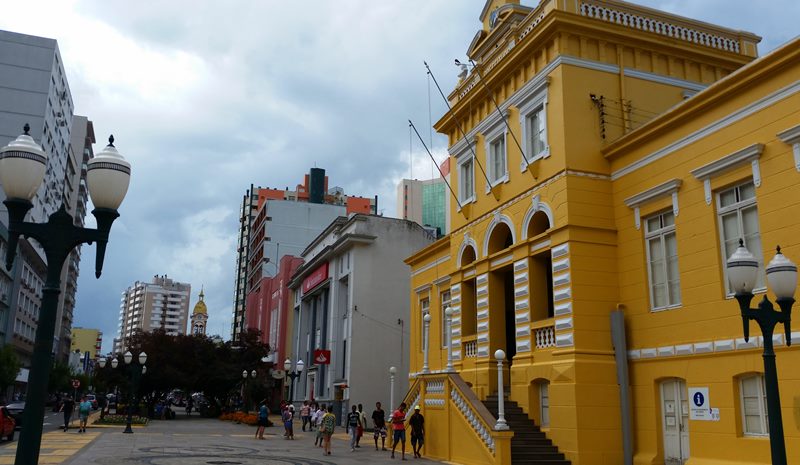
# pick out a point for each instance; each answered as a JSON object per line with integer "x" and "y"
{"x": 468, "y": 255}
{"x": 500, "y": 238}
{"x": 538, "y": 224}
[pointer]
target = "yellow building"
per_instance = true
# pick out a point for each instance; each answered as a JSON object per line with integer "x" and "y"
{"x": 87, "y": 340}
{"x": 634, "y": 149}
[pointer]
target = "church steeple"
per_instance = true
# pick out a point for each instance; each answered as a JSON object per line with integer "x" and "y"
{"x": 199, "y": 315}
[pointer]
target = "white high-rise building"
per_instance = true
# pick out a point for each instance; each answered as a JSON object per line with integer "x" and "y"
{"x": 162, "y": 304}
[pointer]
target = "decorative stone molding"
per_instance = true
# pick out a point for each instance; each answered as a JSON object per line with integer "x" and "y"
{"x": 749, "y": 154}
{"x": 664, "y": 189}
{"x": 791, "y": 136}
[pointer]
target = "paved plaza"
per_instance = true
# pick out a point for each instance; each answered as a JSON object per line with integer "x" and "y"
{"x": 199, "y": 441}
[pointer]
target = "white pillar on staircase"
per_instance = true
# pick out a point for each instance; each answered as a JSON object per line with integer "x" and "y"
{"x": 501, "y": 424}
{"x": 392, "y": 371}
{"x": 426, "y": 329}
{"x": 449, "y": 316}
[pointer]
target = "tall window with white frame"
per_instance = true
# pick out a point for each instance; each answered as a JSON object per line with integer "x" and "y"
{"x": 424, "y": 308}
{"x": 444, "y": 297}
{"x": 536, "y": 131}
{"x": 662, "y": 261}
{"x": 466, "y": 180}
{"x": 738, "y": 219}
{"x": 497, "y": 159}
{"x": 753, "y": 401}
{"x": 544, "y": 403}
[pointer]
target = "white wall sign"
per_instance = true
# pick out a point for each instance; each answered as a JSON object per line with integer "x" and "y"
{"x": 699, "y": 405}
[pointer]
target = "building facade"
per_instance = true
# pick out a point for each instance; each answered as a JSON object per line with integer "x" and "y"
{"x": 632, "y": 150}
{"x": 85, "y": 340}
{"x": 34, "y": 90}
{"x": 350, "y": 299}
{"x": 277, "y": 222}
{"x": 199, "y": 318}
{"x": 161, "y": 304}
{"x": 424, "y": 202}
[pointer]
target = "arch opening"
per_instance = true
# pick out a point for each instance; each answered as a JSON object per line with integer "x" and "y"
{"x": 500, "y": 238}
{"x": 538, "y": 224}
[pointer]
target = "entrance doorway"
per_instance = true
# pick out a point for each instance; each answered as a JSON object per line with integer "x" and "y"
{"x": 507, "y": 275}
{"x": 675, "y": 421}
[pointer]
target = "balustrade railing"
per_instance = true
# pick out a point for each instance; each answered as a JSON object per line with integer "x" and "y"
{"x": 544, "y": 336}
{"x": 469, "y": 347}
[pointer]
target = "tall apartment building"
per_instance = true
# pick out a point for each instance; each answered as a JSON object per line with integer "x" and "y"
{"x": 34, "y": 90}
{"x": 424, "y": 202}
{"x": 160, "y": 304}
{"x": 278, "y": 222}
{"x": 87, "y": 340}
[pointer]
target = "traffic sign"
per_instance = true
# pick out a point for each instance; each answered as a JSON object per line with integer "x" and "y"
{"x": 76, "y": 383}
{"x": 322, "y": 357}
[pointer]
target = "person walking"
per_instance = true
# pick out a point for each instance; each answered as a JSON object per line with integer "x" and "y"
{"x": 379, "y": 425}
{"x": 317, "y": 420}
{"x": 399, "y": 429}
{"x": 362, "y": 424}
{"x": 67, "y": 407}
{"x": 328, "y": 425}
{"x": 305, "y": 414}
{"x": 83, "y": 410}
{"x": 417, "y": 424}
{"x": 353, "y": 422}
{"x": 263, "y": 419}
{"x": 286, "y": 416}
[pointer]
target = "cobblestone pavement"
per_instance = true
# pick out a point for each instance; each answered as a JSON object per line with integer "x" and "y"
{"x": 199, "y": 441}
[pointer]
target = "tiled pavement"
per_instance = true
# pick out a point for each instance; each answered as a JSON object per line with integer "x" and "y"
{"x": 194, "y": 441}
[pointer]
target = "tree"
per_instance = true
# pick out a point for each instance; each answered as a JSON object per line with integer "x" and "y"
{"x": 9, "y": 367}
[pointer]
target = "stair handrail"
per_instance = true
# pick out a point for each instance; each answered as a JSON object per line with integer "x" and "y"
{"x": 479, "y": 417}
{"x": 412, "y": 395}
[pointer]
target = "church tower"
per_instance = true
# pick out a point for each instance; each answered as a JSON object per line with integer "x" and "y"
{"x": 199, "y": 316}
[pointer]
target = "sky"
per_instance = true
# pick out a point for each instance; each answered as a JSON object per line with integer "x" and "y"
{"x": 206, "y": 97}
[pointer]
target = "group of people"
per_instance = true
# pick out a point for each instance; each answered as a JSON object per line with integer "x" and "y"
{"x": 322, "y": 419}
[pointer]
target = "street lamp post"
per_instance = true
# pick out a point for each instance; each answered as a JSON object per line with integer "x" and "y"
{"x": 448, "y": 313}
{"x": 427, "y": 333}
{"x": 22, "y": 169}
{"x": 135, "y": 371}
{"x": 501, "y": 424}
{"x": 287, "y": 365}
{"x": 743, "y": 272}
{"x": 245, "y": 376}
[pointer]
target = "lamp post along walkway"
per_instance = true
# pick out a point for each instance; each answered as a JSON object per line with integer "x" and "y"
{"x": 743, "y": 273}
{"x": 22, "y": 168}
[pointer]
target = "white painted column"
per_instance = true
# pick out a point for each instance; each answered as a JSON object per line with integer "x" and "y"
{"x": 427, "y": 338}
{"x": 449, "y": 315}
{"x": 501, "y": 408}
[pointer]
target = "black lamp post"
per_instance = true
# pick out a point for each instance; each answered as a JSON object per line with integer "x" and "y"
{"x": 22, "y": 169}
{"x": 135, "y": 371}
{"x": 293, "y": 375}
{"x": 245, "y": 376}
{"x": 782, "y": 276}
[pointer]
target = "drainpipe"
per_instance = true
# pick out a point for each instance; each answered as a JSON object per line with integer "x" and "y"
{"x": 621, "y": 357}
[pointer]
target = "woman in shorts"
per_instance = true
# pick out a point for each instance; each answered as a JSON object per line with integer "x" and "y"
{"x": 328, "y": 426}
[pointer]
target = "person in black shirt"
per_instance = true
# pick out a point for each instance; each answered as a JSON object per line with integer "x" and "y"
{"x": 67, "y": 407}
{"x": 417, "y": 424}
{"x": 379, "y": 424}
{"x": 353, "y": 422}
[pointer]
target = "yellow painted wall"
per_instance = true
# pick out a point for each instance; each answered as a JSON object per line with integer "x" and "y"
{"x": 85, "y": 340}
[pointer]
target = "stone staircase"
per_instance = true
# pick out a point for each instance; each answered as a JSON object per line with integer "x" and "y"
{"x": 529, "y": 445}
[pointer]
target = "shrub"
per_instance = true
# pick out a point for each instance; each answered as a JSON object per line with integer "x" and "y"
{"x": 240, "y": 417}
{"x": 121, "y": 420}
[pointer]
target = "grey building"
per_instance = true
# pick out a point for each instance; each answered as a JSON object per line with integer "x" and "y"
{"x": 246, "y": 215}
{"x": 351, "y": 297}
{"x": 34, "y": 90}
{"x": 160, "y": 304}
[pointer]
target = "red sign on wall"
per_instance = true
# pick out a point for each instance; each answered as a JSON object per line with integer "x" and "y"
{"x": 322, "y": 357}
{"x": 315, "y": 278}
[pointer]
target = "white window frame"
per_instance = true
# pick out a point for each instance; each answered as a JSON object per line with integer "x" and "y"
{"x": 661, "y": 234}
{"x": 461, "y": 184}
{"x": 738, "y": 207}
{"x": 497, "y": 135}
{"x": 443, "y": 304}
{"x": 533, "y": 106}
{"x": 762, "y": 406}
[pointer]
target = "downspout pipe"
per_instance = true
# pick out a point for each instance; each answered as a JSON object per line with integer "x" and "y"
{"x": 621, "y": 358}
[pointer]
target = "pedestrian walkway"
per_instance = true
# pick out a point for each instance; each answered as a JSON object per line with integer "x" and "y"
{"x": 57, "y": 447}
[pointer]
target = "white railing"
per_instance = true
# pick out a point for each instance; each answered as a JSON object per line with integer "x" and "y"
{"x": 545, "y": 337}
{"x": 470, "y": 349}
{"x": 480, "y": 428}
{"x": 434, "y": 386}
{"x": 636, "y": 20}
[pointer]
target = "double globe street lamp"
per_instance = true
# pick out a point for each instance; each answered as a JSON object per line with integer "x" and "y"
{"x": 293, "y": 375}
{"x": 22, "y": 168}
{"x": 245, "y": 375}
{"x": 743, "y": 273}
{"x": 135, "y": 371}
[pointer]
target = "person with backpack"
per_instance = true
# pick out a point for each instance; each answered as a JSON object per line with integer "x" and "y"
{"x": 353, "y": 423}
{"x": 83, "y": 410}
{"x": 328, "y": 425}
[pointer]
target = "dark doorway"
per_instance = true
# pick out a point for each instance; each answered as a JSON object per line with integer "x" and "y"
{"x": 507, "y": 275}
